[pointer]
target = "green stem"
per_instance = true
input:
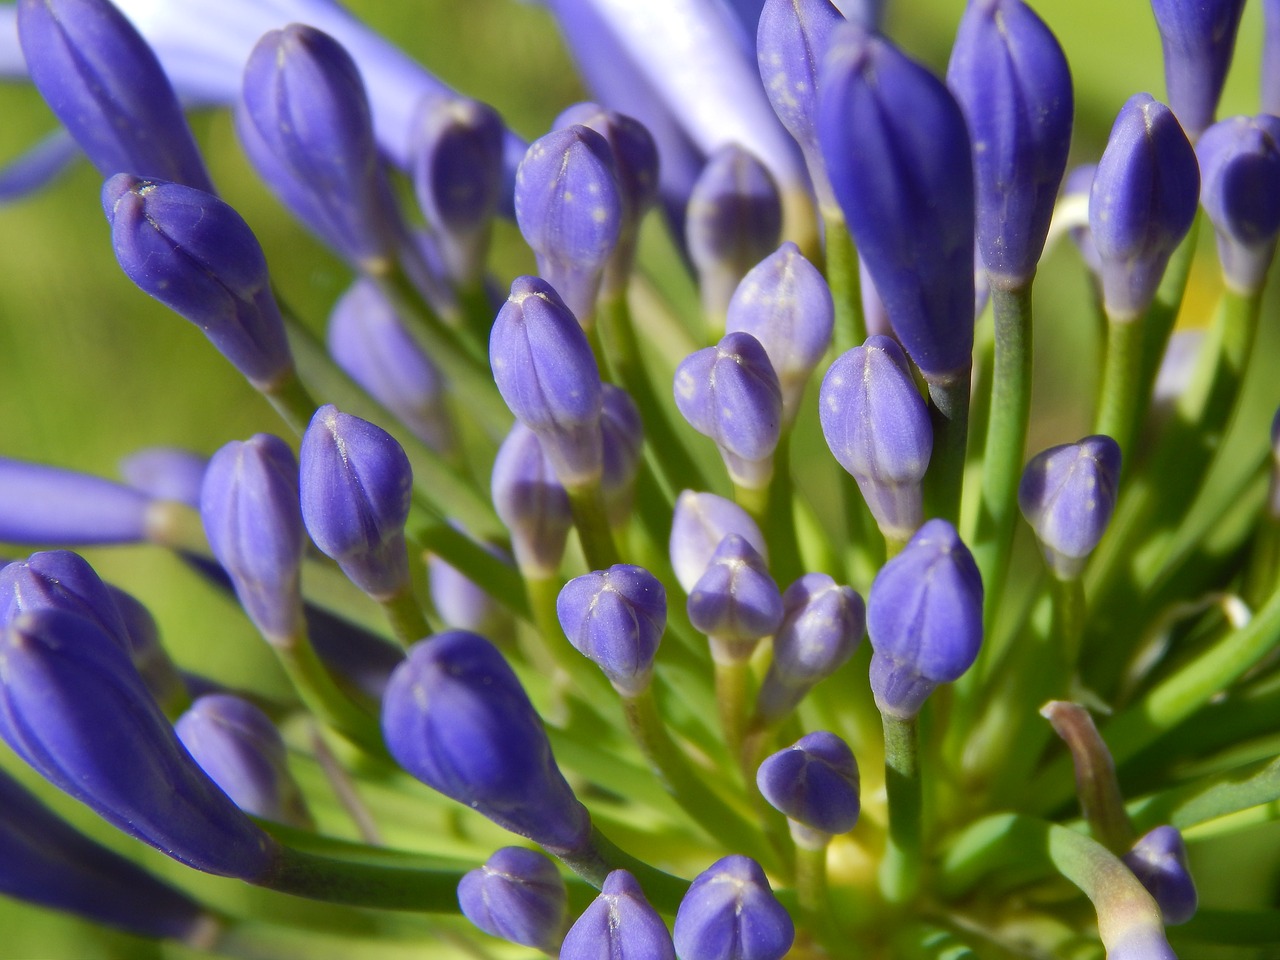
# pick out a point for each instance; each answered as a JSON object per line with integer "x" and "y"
{"x": 322, "y": 696}
{"x": 592, "y": 521}
{"x": 732, "y": 696}
{"x": 1120, "y": 401}
{"x": 900, "y": 868}
{"x": 599, "y": 856}
{"x": 779, "y": 523}
{"x": 949, "y": 412}
{"x": 383, "y": 886}
{"x": 405, "y": 616}
{"x": 813, "y": 895}
{"x": 1068, "y": 623}
{"x": 1096, "y": 784}
{"x": 291, "y": 400}
{"x": 846, "y": 285}
{"x": 1158, "y": 322}
{"x": 434, "y": 534}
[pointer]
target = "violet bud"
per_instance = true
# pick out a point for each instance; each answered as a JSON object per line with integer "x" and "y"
{"x": 455, "y": 716}
{"x": 106, "y": 86}
{"x": 877, "y": 426}
{"x": 464, "y": 604}
{"x": 47, "y": 505}
{"x": 1011, "y": 79}
{"x": 61, "y": 580}
{"x": 733, "y": 221}
{"x": 618, "y": 925}
{"x": 1159, "y": 861}
{"x": 1068, "y": 494}
{"x": 356, "y": 486}
{"x": 731, "y": 394}
{"x": 730, "y": 913}
{"x": 1240, "y": 171}
{"x": 1079, "y": 184}
{"x": 241, "y": 750}
{"x": 877, "y": 317}
{"x": 897, "y": 151}
{"x": 924, "y": 619}
{"x": 1142, "y": 203}
{"x": 531, "y": 502}
{"x": 198, "y": 257}
{"x": 622, "y": 439}
{"x": 166, "y": 473}
{"x": 699, "y": 524}
{"x": 814, "y": 782}
{"x": 615, "y": 619}
{"x": 735, "y": 602}
{"x": 1198, "y": 37}
{"x": 785, "y": 303}
{"x": 518, "y": 896}
{"x": 70, "y": 698}
{"x": 547, "y": 375}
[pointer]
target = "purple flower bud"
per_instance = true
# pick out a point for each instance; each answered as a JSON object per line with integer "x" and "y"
{"x": 730, "y": 913}
{"x": 1159, "y": 861}
{"x": 635, "y": 155}
{"x": 822, "y": 623}
{"x": 519, "y": 896}
{"x": 61, "y": 580}
{"x": 924, "y": 618}
{"x": 198, "y": 257}
{"x": 70, "y": 698}
{"x": 106, "y": 86}
{"x": 531, "y": 502}
{"x": 570, "y": 212}
{"x": 733, "y": 221}
{"x": 1141, "y": 941}
{"x": 241, "y": 750}
{"x": 872, "y": 306}
{"x": 735, "y": 602}
{"x": 455, "y": 716}
{"x": 622, "y": 438}
{"x": 731, "y": 394}
{"x": 1068, "y": 494}
{"x": 166, "y": 473}
{"x": 356, "y": 485}
{"x": 249, "y": 505}
{"x": 547, "y": 375}
{"x": 618, "y": 925}
{"x": 1240, "y": 169}
{"x": 1079, "y": 183}
{"x": 898, "y": 155}
{"x": 877, "y": 426}
{"x": 1198, "y": 37}
{"x": 785, "y": 304}
{"x": 615, "y": 619}
{"x": 698, "y": 525}
{"x": 1010, "y": 76}
{"x": 461, "y": 602}
{"x": 48, "y": 505}
{"x": 815, "y": 783}
{"x": 1143, "y": 201}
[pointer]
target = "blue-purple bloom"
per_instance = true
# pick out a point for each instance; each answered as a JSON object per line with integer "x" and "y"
{"x": 615, "y": 618}
{"x": 814, "y": 782}
{"x": 517, "y": 895}
{"x": 699, "y": 524}
{"x": 618, "y": 925}
{"x": 735, "y": 602}
{"x": 1199, "y": 37}
{"x": 622, "y": 440}
{"x": 730, "y": 913}
{"x": 166, "y": 473}
{"x": 531, "y": 501}
{"x": 1159, "y": 860}
{"x": 55, "y": 507}
{"x": 464, "y": 604}
{"x": 61, "y": 580}
{"x": 1068, "y": 494}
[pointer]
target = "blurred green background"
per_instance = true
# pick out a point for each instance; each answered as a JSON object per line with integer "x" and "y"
{"x": 91, "y": 369}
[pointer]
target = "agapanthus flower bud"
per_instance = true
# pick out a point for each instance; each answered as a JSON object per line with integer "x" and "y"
{"x": 241, "y": 750}
{"x": 455, "y": 716}
{"x": 877, "y": 426}
{"x": 731, "y": 394}
{"x": 815, "y": 783}
{"x": 785, "y": 304}
{"x": 250, "y": 508}
{"x": 547, "y": 375}
{"x": 730, "y": 913}
{"x": 47, "y": 505}
{"x": 105, "y": 84}
{"x": 622, "y": 439}
{"x": 1159, "y": 860}
{"x": 635, "y": 155}
{"x": 531, "y": 502}
{"x": 1010, "y": 76}
{"x": 822, "y": 623}
{"x": 1079, "y": 184}
{"x": 735, "y": 602}
{"x": 61, "y": 580}
{"x": 699, "y": 524}
{"x": 732, "y": 222}
{"x": 570, "y": 211}
{"x": 1068, "y": 494}
{"x": 356, "y": 485}
{"x": 519, "y": 896}
{"x": 166, "y": 473}
{"x": 70, "y": 698}
{"x": 924, "y": 619}
{"x": 618, "y": 925}
{"x": 464, "y": 604}
{"x": 1142, "y": 203}
{"x": 877, "y": 317}
{"x": 898, "y": 154}
{"x": 1240, "y": 174}
{"x": 1198, "y": 37}
{"x": 615, "y": 618}
{"x": 198, "y": 257}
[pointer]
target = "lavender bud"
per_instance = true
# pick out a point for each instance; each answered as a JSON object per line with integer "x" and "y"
{"x": 49, "y": 505}
{"x": 924, "y": 618}
{"x": 1159, "y": 861}
{"x": 464, "y": 604}
{"x": 518, "y": 896}
{"x": 735, "y": 602}
{"x": 531, "y": 502}
{"x": 1198, "y": 37}
{"x": 898, "y": 155}
{"x": 618, "y": 925}
{"x": 814, "y": 782}
{"x": 166, "y": 473}
{"x": 106, "y": 86}
{"x": 198, "y": 257}
{"x": 622, "y": 439}
{"x": 1010, "y": 76}
{"x": 699, "y": 524}
{"x": 731, "y": 394}
{"x": 635, "y": 156}
{"x": 877, "y": 426}
{"x": 1143, "y": 201}
{"x": 547, "y": 375}
{"x": 785, "y": 304}
{"x": 455, "y": 716}
{"x": 733, "y": 221}
{"x": 615, "y": 619}
{"x": 730, "y": 913}
{"x": 70, "y": 698}
{"x": 1068, "y": 494}
{"x": 61, "y": 580}
{"x": 877, "y": 316}
{"x": 1079, "y": 183}
{"x": 356, "y": 485}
